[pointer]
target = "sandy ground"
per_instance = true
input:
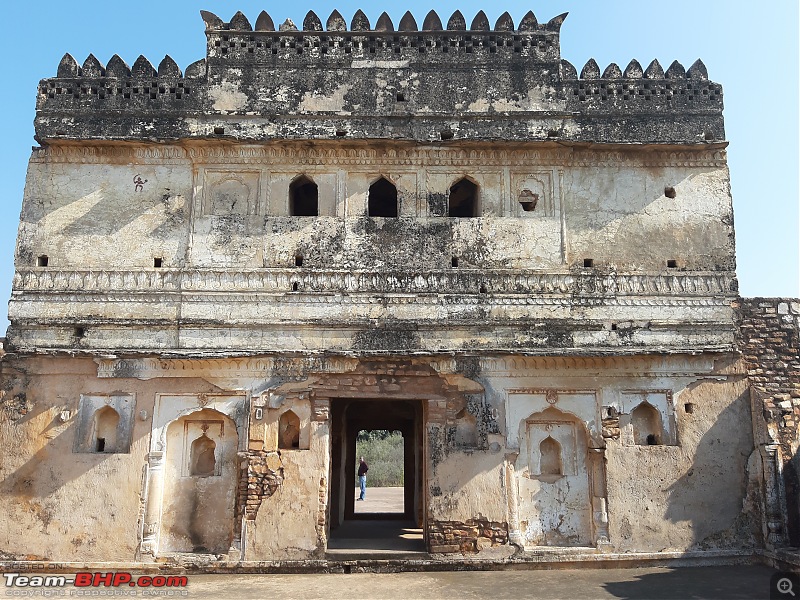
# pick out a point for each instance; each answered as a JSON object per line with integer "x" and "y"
{"x": 729, "y": 583}
{"x": 380, "y": 500}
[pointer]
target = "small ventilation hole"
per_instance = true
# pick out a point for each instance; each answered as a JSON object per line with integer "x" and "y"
{"x": 446, "y": 134}
{"x": 80, "y": 332}
{"x": 454, "y": 262}
{"x": 341, "y": 133}
{"x": 669, "y": 192}
{"x": 483, "y": 289}
{"x": 672, "y": 264}
{"x": 219, "y": 130}
{"x": 688, "y": 407}
{"x": 298, "y": 261}
{"x": 157, "y": 263}
{"x": 588, "y": 262}
{"x": 401, "y": 97}
{"x": 42, "y": 261}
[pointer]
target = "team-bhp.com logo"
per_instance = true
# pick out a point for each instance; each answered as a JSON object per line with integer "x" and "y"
{"x": 93, "y": 584}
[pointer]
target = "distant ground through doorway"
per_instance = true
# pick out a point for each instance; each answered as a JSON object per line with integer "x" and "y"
{"x": 380, "y": 500}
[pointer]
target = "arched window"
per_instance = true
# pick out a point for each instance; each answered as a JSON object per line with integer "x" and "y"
{"x": 382, "y": 199}
{"x": 646, "y": 424}
{"x": 303, "y": 198}
{"x": 550, "y": 461}
{"x": 289, "y": 431}
{"x": 463, "y": 199}
{"x": 106, "y": 423}
{"x": 202, "y": 460}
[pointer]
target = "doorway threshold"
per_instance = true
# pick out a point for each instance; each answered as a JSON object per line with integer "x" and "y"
{"x": 380, "y": 539}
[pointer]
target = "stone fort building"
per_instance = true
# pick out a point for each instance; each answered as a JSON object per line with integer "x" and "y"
{"x": 224, "y": 274}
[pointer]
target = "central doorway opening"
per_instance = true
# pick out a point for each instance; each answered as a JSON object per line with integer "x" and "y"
{"x": 380, "y": 455}
{"x": 389, "y": 435}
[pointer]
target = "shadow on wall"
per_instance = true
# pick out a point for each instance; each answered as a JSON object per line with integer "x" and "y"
{"x": 696, "y": 582}
{"x": 56, "y": 464}
{"x": 712, "y": 494}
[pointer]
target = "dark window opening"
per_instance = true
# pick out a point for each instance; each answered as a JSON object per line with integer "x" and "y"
{"x": 80, "y": 332}
{"x": 298, "y": 261}
{"x": 454, "y": 262}
{"x": 651, "y": 440}
{"x": 483, "y": 289}
{"x": 588, "y": 262}
{"x": 157, "y": 263}
{"x": 101, "y": 445}
{"x": 42, "y": 261}
{"x": 672, "y": 264}
{"x": 463, "y": 199}
{"x": 669, "y": 192}
{"x": 382, "y": 199}
{"x": 446, "y": 134}
{"x": 401, "y": 97}
{"x": 219, "y": 130}
{"x": 688, "y": 407}
{"x": 303, "y": 198}
{"x": 295, "y": 286}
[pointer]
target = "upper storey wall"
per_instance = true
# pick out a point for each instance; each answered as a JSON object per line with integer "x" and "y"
{"x": 431, "y": 85}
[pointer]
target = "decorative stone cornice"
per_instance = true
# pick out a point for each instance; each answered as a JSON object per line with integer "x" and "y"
{"x": 355, "y": 155}
{"x": 265, "y": 367}
{"x": 462, "y": 282}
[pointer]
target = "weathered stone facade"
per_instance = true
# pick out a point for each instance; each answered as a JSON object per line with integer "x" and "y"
{"x": 223, "y": 275}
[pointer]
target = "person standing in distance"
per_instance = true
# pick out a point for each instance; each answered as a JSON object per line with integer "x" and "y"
{"x": 362, "y": 477}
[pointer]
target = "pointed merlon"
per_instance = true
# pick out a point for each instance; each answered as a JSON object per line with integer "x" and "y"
{"x": 211, "y": 20}
{"x": 196, "y": 69}
{"x": 480, "y": 22}
{"x": 676, "y": 71}
{"x": 568, "y": 70}
{"x": 143, "y": 68}
{"x": 384, "y": 23}
{"x": 360, "y": 21}
{"x": 92, "y": 67}
{"x": 504, "y": 23}
{"x": 456, "y": 22}
{"x": 432, "y": 22}
{"x": 408, "y": 23}
{"x": 529, "y": 22}
{"x": 633, "y": 70}
{"x": 312, "y": 22}
{"x": 336, "y": 22}
{"x": 240, "y": 23}
{"x": 555, "y": 23}
{"x": 612, "y": 72}
{"x": 697, "y": 71}
{"x": 288, "y": 25}
{"x": 117, "y": 67}
{"x": 168, "y": 68}
{"x": 264, "y": 22}
{"x": 68, "y": 67}
{"x": 654, "y": 70}
{"x": 590, "y": 70}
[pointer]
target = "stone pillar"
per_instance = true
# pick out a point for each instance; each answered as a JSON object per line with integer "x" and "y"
{"x": 597, "y": 473}
{"x": 514, "y": 534}
{"x": 774, "y": 498}
{"x": 152, "y": 513}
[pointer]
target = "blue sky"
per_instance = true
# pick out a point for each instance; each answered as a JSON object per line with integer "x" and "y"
{"x": 751, "y": 49}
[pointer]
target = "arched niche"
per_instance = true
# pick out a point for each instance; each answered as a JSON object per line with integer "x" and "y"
{"x": 303, "y": 197}
{"x": 199, "y": 483}
{"x": 463, "y": 200}
{"x": 202, "y": 459}
{"x": 382, "y": 200}
{"x": 646, "y": 425}
{"x": 289, "y": 431}
{"x": 105, "y": 428}
{"x": 550, "y": 461}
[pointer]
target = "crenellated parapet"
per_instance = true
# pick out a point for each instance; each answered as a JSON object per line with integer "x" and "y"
{"x": 438, "y": 82}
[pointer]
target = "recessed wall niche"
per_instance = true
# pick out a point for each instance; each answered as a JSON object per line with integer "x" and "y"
{"x": 104, "y": 424}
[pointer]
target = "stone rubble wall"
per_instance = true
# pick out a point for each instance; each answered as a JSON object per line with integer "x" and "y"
{"x": 770, "y": 343}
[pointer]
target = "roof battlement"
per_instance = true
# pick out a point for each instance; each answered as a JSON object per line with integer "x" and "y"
{"x": 262, "y": 83}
